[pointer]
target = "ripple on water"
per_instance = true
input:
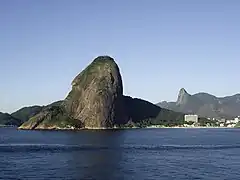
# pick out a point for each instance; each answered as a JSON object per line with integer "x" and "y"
{"x": 69, "y": 148}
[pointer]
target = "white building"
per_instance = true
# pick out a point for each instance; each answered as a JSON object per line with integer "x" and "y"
{"x": 222, "y": 120}
{"x": 234, "y": 121}
{"x": 191, "y": 118}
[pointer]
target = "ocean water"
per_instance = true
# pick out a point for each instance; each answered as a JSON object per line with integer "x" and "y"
{"x": 163, "y": 154}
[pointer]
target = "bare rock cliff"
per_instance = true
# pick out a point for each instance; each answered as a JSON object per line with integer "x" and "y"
{"x": 95, "y": 101}
{"x": 96, "y": 97}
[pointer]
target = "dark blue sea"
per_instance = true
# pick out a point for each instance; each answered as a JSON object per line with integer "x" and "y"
{"x": 163, "y": 154}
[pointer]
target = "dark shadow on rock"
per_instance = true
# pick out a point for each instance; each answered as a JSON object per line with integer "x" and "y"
{"x": 138, "y": 109}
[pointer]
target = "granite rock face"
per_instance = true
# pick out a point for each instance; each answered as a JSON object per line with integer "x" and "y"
{"x": 95, "y": 101}
{"x": 183, "y": 96}
{"x": 96, "y": 98}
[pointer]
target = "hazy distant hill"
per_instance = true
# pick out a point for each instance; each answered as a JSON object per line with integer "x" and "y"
{"x": 26, "y": 113}
{"x": 7, "y": 119}
{"x": 23, "y": 114}
{"x": 205, "y": 105}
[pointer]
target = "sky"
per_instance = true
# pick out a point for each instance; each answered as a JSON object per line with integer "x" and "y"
{"x": 160, "y": 47}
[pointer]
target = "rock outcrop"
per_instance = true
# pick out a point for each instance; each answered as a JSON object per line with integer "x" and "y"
{"x": 183, "y": 97}
{"x": 96, "y": 97}
{"x": 95, "y": 101}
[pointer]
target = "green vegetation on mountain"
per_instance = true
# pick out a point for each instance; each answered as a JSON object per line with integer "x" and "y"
{"x": 144, "y": 113}
{"x": 26, "y": 113}
{"x": 169, "y": 118}
{"x": 238, "y": 125}
{"x": 138, "y": 109}
{"x": 53, "y": 117}
{"x": 205, "y": 122}
{"x": 8, "y": 120}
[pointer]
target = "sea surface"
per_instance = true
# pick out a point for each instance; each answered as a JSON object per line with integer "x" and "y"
{"x": 163, "y": 154}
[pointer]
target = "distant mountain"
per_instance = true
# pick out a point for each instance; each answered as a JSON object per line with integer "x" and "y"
{"x": 205, "y": 105}
{"x": 26, "y": 113}
{"x": 8, "y": 120}
{"x": 23, "y": 114}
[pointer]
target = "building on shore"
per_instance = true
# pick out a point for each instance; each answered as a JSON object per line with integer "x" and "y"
{"x": 237, "y": 119}
{"x": 191, "y": 118}
{"x": 222, "y": 120}
{"x": 233, "y": 121}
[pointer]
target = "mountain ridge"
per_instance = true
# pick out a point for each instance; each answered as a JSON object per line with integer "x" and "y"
{"x": 205, "y": 104}
{"x": 23, "y": 114}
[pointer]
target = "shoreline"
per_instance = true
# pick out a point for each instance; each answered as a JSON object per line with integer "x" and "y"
{"x": 118, "y": 128}
{"x": 197, "y": 127}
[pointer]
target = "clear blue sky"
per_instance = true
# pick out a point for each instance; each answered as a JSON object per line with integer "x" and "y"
{"x": 160, "y": 46}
